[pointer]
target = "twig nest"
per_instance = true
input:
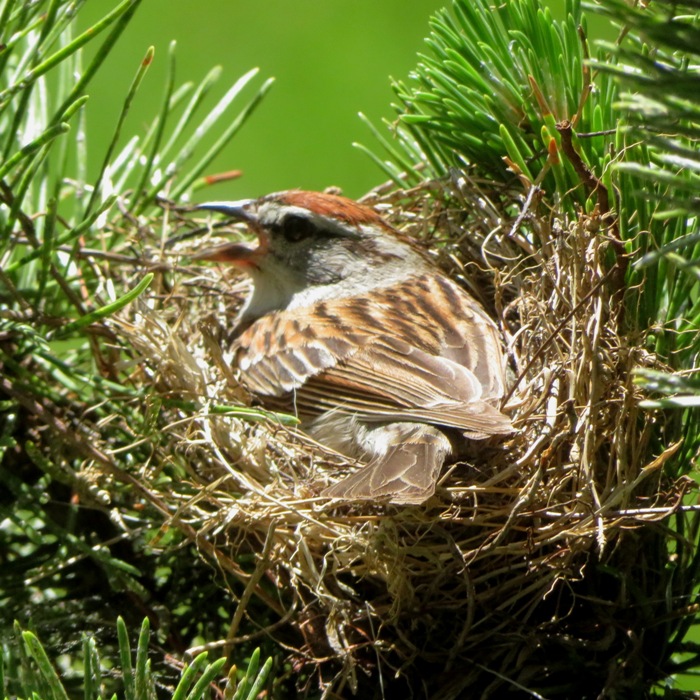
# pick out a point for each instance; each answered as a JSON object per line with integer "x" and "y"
{"x": 514, "y": 556}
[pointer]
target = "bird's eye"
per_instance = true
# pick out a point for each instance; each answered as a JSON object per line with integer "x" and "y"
{"x": 297, "y": 228}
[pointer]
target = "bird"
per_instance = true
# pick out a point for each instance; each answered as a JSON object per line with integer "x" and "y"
{"x": 351, "y": 326}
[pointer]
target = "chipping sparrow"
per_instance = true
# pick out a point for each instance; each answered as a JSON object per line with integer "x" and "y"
{"x": 380, "y": 355}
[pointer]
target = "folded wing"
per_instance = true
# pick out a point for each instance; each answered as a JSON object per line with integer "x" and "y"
{"x": 420, "y": 351}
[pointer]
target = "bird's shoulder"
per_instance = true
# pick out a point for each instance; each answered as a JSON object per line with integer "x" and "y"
{"x": 428, "y": 309}
{"x": 423, "y": 316}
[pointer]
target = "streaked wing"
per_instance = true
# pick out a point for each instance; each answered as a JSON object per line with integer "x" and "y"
{"x": 390, "y": 354}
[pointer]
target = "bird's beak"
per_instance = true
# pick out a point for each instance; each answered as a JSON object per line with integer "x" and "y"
{"x": 242, "y": 209}
{"x": 243, "y": 255}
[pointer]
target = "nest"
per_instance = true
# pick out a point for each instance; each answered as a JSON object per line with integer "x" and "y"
{"x": 515, "y": 578}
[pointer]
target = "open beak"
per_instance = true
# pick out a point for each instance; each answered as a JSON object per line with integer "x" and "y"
{"x": 243, "y": 255}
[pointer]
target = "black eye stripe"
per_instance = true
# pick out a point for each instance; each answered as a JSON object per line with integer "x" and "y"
{"x": 296, "y": 228}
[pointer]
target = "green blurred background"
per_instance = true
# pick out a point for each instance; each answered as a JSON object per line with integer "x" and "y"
{"x": 330, "y": 61}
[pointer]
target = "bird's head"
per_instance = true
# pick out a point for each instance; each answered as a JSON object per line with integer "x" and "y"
{"x": 312, "y": 246}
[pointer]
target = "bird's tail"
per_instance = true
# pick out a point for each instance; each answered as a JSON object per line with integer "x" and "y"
{"x": 405, "y": 473}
